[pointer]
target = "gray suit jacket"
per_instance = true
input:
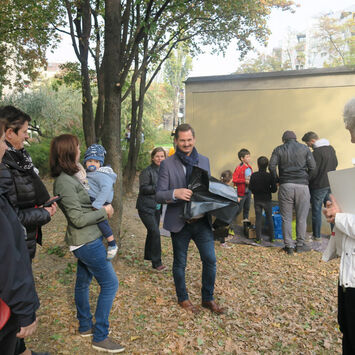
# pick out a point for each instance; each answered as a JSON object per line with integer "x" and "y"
{"x": 172, "y": 176}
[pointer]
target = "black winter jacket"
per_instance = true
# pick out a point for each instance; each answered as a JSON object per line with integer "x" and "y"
{"x": 326, "y": 160}
{"x": 295, "y": 162}
{"x": 20, "y": 191}
{"x": 17, "y": 288}
{"x": 262, "y": 185}
{"x": 148, "y": 180}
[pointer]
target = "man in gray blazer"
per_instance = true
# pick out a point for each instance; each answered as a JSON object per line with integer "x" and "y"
{"x": 174, "y": 174}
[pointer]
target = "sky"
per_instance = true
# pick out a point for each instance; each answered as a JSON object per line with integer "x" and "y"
{"x": 207, "y": 64}
{"x": 279, "y": 22}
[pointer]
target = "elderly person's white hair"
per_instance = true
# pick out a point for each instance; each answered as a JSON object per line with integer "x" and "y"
{"x": 349, "y": 114}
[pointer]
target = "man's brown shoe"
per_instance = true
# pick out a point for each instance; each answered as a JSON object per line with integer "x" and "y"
{"x": 213, "y": 307}
{"x": 188, "y": 306}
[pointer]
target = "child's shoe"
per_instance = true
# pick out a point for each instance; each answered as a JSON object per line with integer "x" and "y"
{"x": 111, "y": 252}
{"x": 225, "y": 245}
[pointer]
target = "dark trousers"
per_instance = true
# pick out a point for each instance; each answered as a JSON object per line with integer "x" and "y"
{"x": 152, "y": 250}
{"x": 104, "y": 226}
{"x": 245, "y": 204}
{"x": 267, "y": 207}
{"x": 201, "y": 233}
{"x": 346, "y": 318}
{"x": 8, "y": 338}
{"x": 319, "y": 198}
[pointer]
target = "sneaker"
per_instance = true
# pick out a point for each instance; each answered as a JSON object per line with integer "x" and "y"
{"x": 160, "y": 268}
{"x": 87, "y": 333}
{"x": 225, "y": 245}
{"x": 316, "y": 239}
{"x": 111, "y": 252}
{"x": 288, "y": 250}
{"x": 90, "y": 333}
{"x": 303, "y": 248}
{"x": 108, "y": 345}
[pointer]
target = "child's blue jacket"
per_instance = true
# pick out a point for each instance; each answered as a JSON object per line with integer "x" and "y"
{"x": 101, "y": 185}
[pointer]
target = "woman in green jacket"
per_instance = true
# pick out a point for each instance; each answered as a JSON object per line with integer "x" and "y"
{"x": 84, "y": 239}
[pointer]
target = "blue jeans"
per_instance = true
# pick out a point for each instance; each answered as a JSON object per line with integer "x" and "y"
{"x": 318, "y": 198}
{"x": 104, "y": 226}
{"x": 92, "y": 262}
{"x": 200, "y": 232}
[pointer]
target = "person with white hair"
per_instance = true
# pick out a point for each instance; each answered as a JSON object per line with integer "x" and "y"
{"x": 342, "y": 243}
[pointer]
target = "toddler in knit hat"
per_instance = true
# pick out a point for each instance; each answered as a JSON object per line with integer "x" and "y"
{"x": 101, "y": 180}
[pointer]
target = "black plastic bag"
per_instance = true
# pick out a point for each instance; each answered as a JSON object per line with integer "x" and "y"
{"x": 210, "y": 196}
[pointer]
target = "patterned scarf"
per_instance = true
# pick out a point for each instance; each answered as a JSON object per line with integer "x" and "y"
{"x": 81, "y": 176}
{"x": 188, "y": 160}
{"x": 21, "y": 157}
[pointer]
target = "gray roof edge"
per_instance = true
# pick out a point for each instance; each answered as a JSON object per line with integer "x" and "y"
{"x": 274, "y": 75}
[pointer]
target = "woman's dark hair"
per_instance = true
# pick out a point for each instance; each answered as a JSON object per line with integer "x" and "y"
{"x": 263, "y": 162}
{"x": 14, "y": 118}
{"x": 62, "y": 157}
{"x": 156, "y": 150}
{"x": 226, "y": 176}
{"x": 183, "y": 127}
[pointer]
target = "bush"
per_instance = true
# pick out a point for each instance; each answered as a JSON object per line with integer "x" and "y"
{"x": 163, "y": 138}
{"x": 40, "y": 155}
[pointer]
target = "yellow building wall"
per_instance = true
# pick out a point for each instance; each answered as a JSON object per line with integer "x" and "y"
{"x": 253, "y": 114}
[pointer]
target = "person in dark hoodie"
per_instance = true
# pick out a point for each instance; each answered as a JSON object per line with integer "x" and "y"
{"x": 296, "y": 166}
{"x": 262, "y": 185}
{"x": 17, "y": 288}
{"x": 326, "y": 160}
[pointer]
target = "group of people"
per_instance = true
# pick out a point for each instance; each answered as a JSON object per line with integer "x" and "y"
{"x": 299, "y": 175}
{"x": 84, "y": 194}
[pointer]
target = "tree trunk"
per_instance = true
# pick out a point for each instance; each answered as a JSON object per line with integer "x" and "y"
{"x": 84, "y": 12}
{"x": 88, "y": 114}
{"x": 136, "y": 133}
{"x": 99, "y": 115}
{"x": 112, "y": 116}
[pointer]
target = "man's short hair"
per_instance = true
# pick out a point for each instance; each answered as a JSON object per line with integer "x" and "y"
{"x": 263, "y": 162}
{"x": 242, "y": 153}
{"x": 309, "y": 136}
{"x": 183, "y": 127}
{"x": 13, "y": 117}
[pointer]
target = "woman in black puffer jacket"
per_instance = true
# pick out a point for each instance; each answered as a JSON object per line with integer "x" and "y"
{"x": 26, "y": 191}
{"x": 22, "y": 186}
{"x": 148, "y": 209}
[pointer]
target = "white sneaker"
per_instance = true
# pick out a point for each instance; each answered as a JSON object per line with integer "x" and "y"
{"x": 111, "y": 252}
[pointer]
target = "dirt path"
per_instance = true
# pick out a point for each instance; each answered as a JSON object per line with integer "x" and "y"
{"x": 275, "y": 303}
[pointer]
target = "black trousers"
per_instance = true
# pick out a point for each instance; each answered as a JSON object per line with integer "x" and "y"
{"x": 346, "y": 318}
{"x": 152, "y": 250}
{"x": 267, "y": 207}
{"x": 8, "y": 340}
{"x": 245, "y": 204}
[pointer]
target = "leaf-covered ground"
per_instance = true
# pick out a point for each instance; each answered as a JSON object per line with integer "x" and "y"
{"x": 275, "y": 303}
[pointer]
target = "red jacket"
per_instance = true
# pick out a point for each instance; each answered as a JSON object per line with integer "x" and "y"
{"x": 239, "y": 178}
